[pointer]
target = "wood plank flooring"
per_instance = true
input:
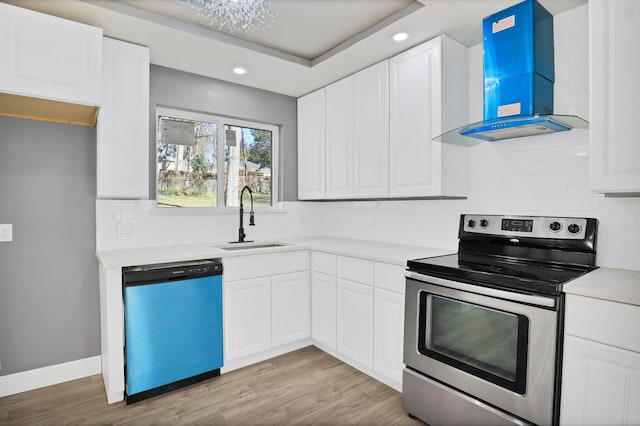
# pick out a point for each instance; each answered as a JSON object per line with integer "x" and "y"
{"x": 305, "y": 387}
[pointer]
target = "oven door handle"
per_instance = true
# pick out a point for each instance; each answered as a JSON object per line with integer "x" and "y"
{"x": 486, "y": 291}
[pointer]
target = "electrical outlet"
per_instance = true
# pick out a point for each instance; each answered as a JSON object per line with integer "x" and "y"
{"x": 6, "y": 232}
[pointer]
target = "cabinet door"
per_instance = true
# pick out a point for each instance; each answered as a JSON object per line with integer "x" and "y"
{"x": 323, "y": 308}
{"x": 290, "y": 307}
{"x": 388, "y": 334}
{"x": 614, "y": 152}
{"x": 339, "y": 138}
{"x": 415, "y": 118}
{"x": 371, "y": 131}
{"x": 600, "y": 384}
{"x": 123, "y": 123}
{"x": 48, "y": 57}
{"x": 355, "y": 321}
{"x": 247, "y": 317}
{"x": 311, "y": 146}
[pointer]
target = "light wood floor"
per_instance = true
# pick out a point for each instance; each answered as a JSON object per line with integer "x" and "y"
{"x": 305, "y": 387}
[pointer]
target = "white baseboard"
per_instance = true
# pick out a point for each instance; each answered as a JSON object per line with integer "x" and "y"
{"x": 47, "y": 376}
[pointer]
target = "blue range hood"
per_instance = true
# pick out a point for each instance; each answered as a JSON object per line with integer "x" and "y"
{"x": 518, "y": 79}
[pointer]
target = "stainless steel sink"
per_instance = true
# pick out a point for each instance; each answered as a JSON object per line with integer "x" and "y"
{"x": 247, "y": 246}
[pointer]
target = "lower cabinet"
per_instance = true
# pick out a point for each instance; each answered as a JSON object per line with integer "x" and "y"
{"x": 290, "y": 316}
{"x": 601, "y": 384}
{"x": 388, "y": 334}
{"x": 247, "y": 322}
{"x": 357, "y": 313}
{"x": 601, "y": 364}
{"x": 265, "y": 312}
{"x": 323, "y": 308}
{"x": 355, "y": 321}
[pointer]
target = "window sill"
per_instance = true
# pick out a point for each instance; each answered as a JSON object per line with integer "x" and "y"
{"x": 209, "y": 211}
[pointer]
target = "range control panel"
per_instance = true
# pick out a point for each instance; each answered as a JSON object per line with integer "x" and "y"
{"x": 569, "y": 228}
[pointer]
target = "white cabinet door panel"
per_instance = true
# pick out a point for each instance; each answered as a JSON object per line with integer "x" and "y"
{"x": 339, "y": 138}
{"x": 123, "y": 123}
{"x": 371, "y": 131}
{"x": 355, "y": 321}
{"x": 323, "y": 308}
{"x": 311, "y": 146}
{"x": 48, "y": 57}
{"x": 601, "y": 384}
{"x": 291, "y": 319}
{"x": 247, "y": 317}
{"x": 614, "y": 62}
{"x": 389, "y": 334}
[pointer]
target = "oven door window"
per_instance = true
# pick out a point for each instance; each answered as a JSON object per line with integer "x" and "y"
{"x": 488, "y": 343}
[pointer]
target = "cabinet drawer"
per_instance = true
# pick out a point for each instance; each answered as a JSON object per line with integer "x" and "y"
{"x": 354, "y": 269}
{"x": 262, "y": 265}
{"x": 389, "y": 277}
{"x": 323, "y": 262}
{"x": 603, "y": 321}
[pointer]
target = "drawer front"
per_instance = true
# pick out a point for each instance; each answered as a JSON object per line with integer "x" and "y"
{"x": 323, "y": 262}
{"x": 355, "y": 269}
{"x": 263, "y": 265}
{"x": 603, "y": 321}
{"x": 389, "y": 277}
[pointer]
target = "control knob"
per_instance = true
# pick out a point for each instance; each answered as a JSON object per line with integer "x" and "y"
{"x": 471, "y": 223}
{"x": 555, "y": 226}
{"x": 573, "y": 228}
{"x": 484, "y": 223}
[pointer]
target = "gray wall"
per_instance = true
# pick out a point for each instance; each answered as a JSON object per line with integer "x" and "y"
{"x": 49, "y": 309}
{"x": 181, "y": 90}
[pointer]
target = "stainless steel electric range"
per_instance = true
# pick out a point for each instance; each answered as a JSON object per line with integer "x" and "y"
{"x": 483, "y": 327}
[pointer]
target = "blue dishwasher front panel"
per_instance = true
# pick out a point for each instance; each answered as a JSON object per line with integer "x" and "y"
{"x": 173, "y": 331}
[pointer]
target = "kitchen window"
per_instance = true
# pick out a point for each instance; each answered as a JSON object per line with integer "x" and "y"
{"x": 205, "y": 160}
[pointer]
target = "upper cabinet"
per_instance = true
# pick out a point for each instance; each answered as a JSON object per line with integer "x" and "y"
{"x": 123, "y": 124}
{"x": 311, "y": 149}
{"x": 614, "y": 37}
{"x": 369, "y": 134}
{"x": 45, "y": 57}
{"x": 428, "y": 92}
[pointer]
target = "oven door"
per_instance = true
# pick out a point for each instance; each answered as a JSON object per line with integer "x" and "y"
{"x": 495, "y": 345}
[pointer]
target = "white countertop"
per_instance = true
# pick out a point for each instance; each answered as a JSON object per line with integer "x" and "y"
{"x": 373, "y": 250}
{"x": 616, "y": 285}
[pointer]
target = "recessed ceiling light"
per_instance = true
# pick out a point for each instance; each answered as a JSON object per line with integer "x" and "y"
{"x": 239, "y": 71}
{"x": 400, "y": 36}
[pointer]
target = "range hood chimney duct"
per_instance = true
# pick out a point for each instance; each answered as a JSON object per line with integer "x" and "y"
{"x": 518, "y": 79}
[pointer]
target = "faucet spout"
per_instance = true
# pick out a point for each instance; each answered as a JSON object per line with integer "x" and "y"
{"x": 241, "y": 234}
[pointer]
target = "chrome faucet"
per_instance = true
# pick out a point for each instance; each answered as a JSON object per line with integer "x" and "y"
{"x": 241, "y": 234}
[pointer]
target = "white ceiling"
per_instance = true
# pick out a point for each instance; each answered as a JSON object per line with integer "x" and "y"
{"x": 308, "y": 44}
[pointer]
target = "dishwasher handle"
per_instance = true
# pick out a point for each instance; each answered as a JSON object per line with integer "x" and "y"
{"x": 163, "y": 272}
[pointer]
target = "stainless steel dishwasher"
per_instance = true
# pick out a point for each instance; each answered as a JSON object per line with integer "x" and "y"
{"x": 173, "y": 326}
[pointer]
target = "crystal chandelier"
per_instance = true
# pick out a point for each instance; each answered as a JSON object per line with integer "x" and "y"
{"x": 235, "y": 15}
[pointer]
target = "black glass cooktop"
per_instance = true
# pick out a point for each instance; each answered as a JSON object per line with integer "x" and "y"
{"x": 504, "y": 273}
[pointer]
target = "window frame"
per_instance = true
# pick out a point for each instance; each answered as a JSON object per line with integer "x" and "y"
{"x": 221, "y": 121}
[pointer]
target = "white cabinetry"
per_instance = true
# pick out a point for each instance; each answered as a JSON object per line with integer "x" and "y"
{"x": 290, "y": 301}
{"x": 311, "y": 146}
{"x": 123, "y": 123}
{"x": 358, "y": 313}
{"x": 355, "y": 321}
{"x": 601, "y": 366}
{"x": 428, "y": 95}
{"x": 49, "y": 58}
{"x": 343, "y": 138}
{"x": 266, "y": 306}
{"x": 614, "y": 67}
{"x": 247, "y": 323}
{"x": 371, "y": 131}
{"x": 339, "y": 138}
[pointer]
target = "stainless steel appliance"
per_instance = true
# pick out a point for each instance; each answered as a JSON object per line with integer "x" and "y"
{"x": 483, "y": 327}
